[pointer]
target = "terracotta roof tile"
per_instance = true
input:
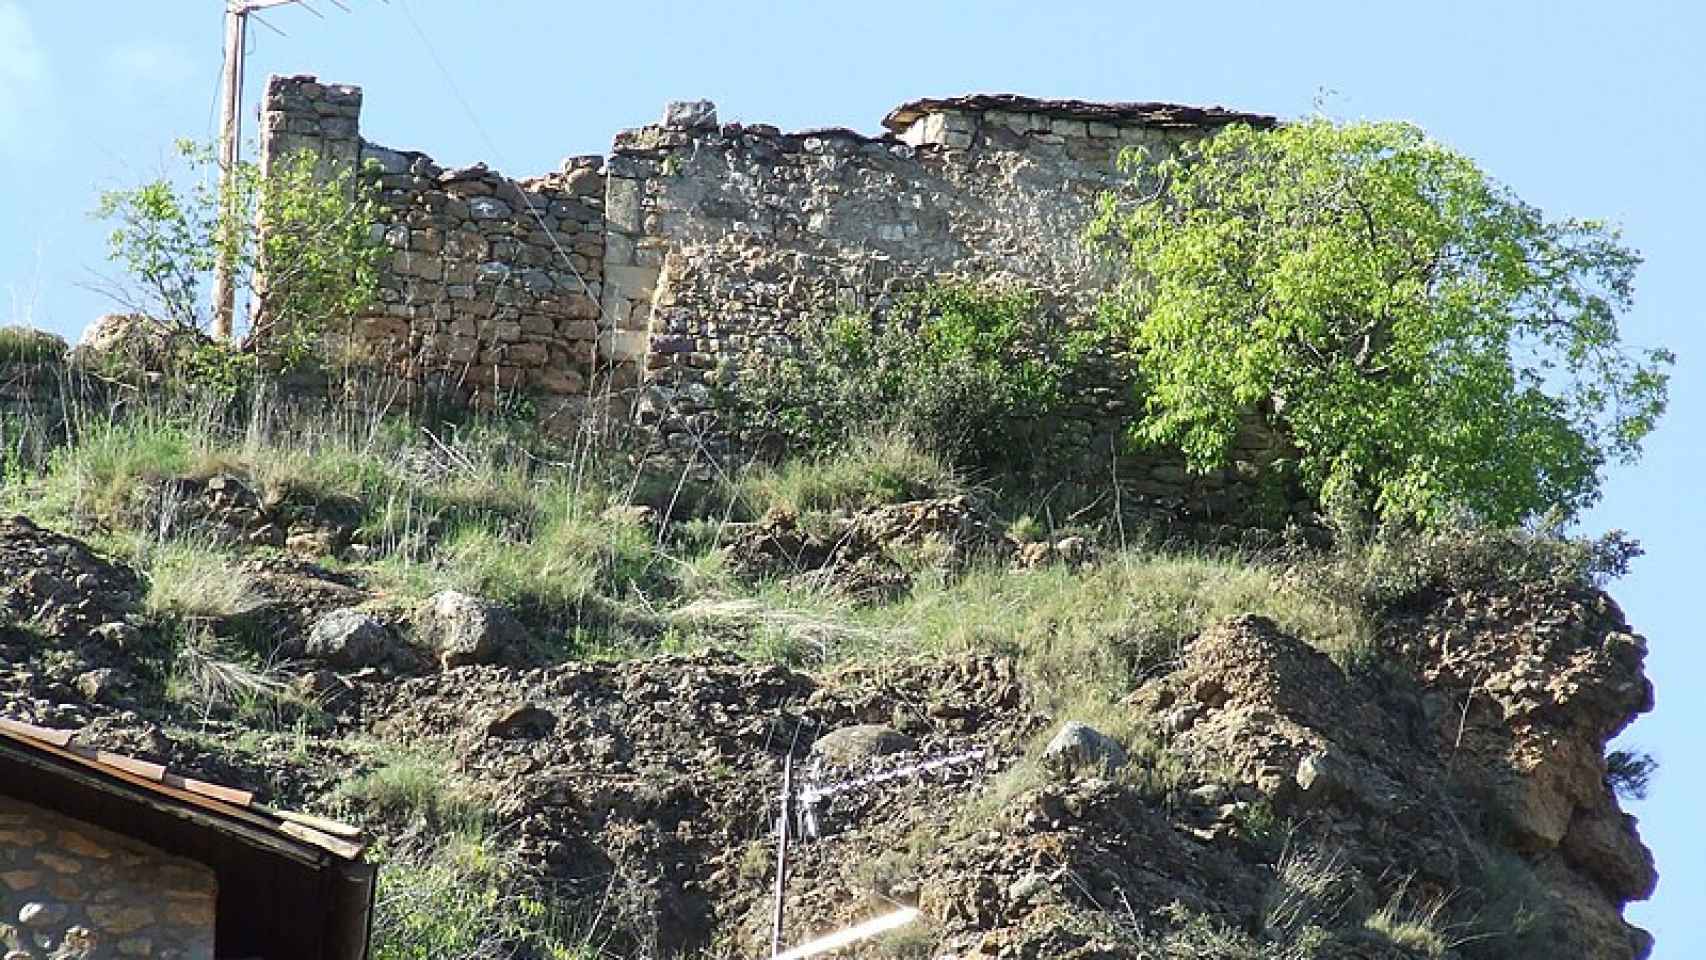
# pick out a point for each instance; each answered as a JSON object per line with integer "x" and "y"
{"x": 330, "y": 836}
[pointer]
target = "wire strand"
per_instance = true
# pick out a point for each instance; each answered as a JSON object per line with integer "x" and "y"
{"x": 497, "y": 155}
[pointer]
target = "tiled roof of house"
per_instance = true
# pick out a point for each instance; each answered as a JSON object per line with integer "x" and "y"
{"x": 130, "y": 774}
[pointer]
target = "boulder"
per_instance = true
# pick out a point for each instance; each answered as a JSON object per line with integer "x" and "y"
{"x": 1079, "y": 746}
{"x": 349, "y": 639}
{"x": 851, "y": 745}
{"x": 526, "y": 722}
{"x": 463, "y": 629}
{"x": 103, "y": 685}
{"x": 1604, "y": 844}
{"x": 127, "y": 341}
{"x": 1324, "y": 777}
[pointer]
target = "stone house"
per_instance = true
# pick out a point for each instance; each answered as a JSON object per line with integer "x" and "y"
{"x": 630, "y": 284}
{"x": 108, "y": 856}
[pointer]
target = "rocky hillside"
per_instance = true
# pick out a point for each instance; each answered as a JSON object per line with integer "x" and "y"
{"x": 1239, "y": 787}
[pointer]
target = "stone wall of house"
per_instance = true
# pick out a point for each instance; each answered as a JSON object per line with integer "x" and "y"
{"x": 746, "y": 230}
{"x": 731, "y": 235}
{"x": 492, "y": 284}
{"x": 71, "y": 891}
{"x": 647, "y": 276}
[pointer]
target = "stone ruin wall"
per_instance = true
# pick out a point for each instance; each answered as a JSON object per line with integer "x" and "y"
{"x": 492, "y": 285}
{"x": 698, "y": 241}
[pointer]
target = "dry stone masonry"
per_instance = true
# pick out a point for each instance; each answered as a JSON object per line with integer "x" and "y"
{"x": 645, "y": 275}
{"x": 71, "y": 891}
{"x": 492, "y": 283}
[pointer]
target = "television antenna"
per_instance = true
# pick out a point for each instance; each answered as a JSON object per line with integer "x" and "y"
{"x": 237, "y": 14}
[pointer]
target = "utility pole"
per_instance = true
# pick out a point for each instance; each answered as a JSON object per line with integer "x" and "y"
{"x": 230, "y": 149}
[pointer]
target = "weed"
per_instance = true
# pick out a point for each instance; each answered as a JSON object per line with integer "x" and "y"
{"x": 870, "y": 470}
{"x": 1417, "y": 928}
{"x": 413, "y": 787}
{"x": 1630, "y": 772}
{"x": 462, "y": 898}
{"x": 1260, "y": 826}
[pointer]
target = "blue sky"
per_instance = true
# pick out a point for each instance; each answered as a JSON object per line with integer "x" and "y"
{"x": 1585, "y": 108}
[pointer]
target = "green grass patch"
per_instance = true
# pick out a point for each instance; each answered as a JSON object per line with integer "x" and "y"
{"x": 871, "y": 471}
{"x": 464, "y": 897}
{"x": 190, "y": 581}
{"x": 412, "y": 787}
{"x": 23, "y": 345}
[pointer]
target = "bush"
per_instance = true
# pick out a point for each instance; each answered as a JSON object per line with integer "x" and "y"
{"x": 1630, "y": 772}
{"x": 978, "y": 375}
{"x": 1398, "y": 564}
{"x": 463, "y": 899}
{"x": 26, "y": 345}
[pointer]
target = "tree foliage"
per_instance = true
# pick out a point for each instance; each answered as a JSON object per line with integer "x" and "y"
{"x": 1425, "y": 337}
{"x": 300, "y": 239}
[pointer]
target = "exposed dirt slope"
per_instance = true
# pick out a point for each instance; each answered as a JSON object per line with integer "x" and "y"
{"x": 1464, "y": 768}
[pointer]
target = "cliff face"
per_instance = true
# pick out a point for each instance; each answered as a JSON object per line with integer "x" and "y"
{"x": 1444, "y": 796}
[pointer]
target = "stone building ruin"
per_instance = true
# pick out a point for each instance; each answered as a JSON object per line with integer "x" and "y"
{"x": 634, "y": 276}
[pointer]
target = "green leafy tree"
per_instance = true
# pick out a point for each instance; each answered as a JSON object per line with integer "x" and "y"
{"x": 300, "y": 238}
{"x": 1430, "y": 343}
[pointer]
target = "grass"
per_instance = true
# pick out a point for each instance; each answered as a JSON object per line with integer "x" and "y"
{"x": 412, "y": 787}
{"x": 471, "y": 508}
{"x": 465, "y": 898}
{"x": 205, "y": 676}
{"x": 1309, "y": 892}
{"x": 196, "y": 582}
{"x": 873, "y": 471}
{"x": 25, "y": 345}
{"x": 1416, "y": 928}
{"x": 1101, "y": 631}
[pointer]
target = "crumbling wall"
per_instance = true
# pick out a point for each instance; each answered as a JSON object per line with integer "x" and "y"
{"x": 738, "y": 233}
{"x": 646, "y": 278}
{"x": 492, "y": 285}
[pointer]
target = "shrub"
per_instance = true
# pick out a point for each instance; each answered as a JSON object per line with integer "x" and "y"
{"x": 307, "y": 228}
{"x": 1630, "y": 772}
{"x": 465, "y": 899}
{"x": 1400, "y": 563}
{"x": 978, "y": 375}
